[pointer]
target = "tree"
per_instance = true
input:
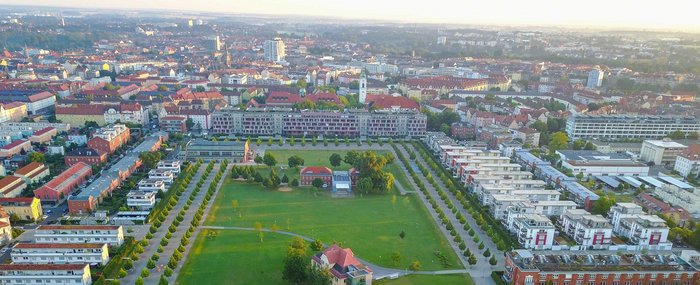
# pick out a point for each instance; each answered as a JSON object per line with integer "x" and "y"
{"x": 579, "y": 144}
{"x": 139, "y": 281}
{"x": 295, "y": 182}
{"x": 539, "y": 126}
{"x": 487, "y": 253}
{"x": 493, "y": 260}
{"x": 234, "y": 205}
{"x": 414, "y": 266}
{"x": 258, "y": 228}
{"x": 335, "y": 160}
{"x": 319, "y": 276}
{"x": 472, "y": 259}
{"x": 150, "y": 159}
{"x": 36, "y": 157}
{"x": 269, "y": 159}
{"x": 316, "y": 245}
{"x": 395, "y": 257}
{"x": 558, "y": 141}
{"x": 162, "y": 280}
{"x": 189, "y": 123}
{"x": 285, "y": 178}
{"x": 602, "y": 205}
{"x": 258, "y": 159}
{"x": 677, "y": 135}
{"x": 589, "y": 146}
{"x": 693, "y": 136}
{"x": 317, "y": 182}
{"x": 295, "y": 263}
{"x": 295, "y": 161}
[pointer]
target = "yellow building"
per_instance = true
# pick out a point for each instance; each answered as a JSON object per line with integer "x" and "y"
{"x": 26, "y": 208}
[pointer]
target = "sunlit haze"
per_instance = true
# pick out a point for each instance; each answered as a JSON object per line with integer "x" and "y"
{"x": 641, "y": 14}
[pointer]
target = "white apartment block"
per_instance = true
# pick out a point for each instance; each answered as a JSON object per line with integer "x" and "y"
{"x": 534, "y": 231}
{"x": 151, "y": 185}
{"x": 628, "y": 220}
{"x": 500, "y": 204}
{"x": 108, "y": 133}
{"x": 607, "y": 167}
{"x": 661, "y": 152}
{"x": 690, "y": 201}
{"x": 112, "y": 235}
{"x": 60, "y": 253}
{"x": 162, "y": 174}
{"x": 172, "y": 165}
{"x": 586, "y": 229}
{"x": 544, "y": 208}
{"x": 141, "y": 200}
{"x": 628, "y": 126}
{"x": 274, "y": 50}
{"x": 67, "y": 274}
{"x": 688, "y": 162}
{"x": 533, "y": 195}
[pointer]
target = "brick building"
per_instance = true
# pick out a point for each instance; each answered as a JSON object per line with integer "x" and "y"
{"x": 173, "y": 124}
{"x": 65, "y": 183}
{"x": 85, "y": 155}
{"x": 309, "y": 173}
{"x": 109, "y": 139}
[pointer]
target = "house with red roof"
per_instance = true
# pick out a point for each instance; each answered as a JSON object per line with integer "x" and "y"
{"x": 44, "y": 135}
{"x": 342, "y": 265}
{"x": 392, "y": 103}
{"x": 326, "y": 97}
{"x": 26, "y": 208}
{"x": 14, "y": 148}
{"x": 32, "y": 172}
{"x": 282, "y": 99}
{"x": 64, "y": 184}
{"x": 309, "y": 173}
{"x": 11, "y": 186}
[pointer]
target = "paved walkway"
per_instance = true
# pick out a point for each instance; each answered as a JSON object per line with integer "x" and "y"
{"x": 188, "y": 218}
{"x": 149, "y": 250}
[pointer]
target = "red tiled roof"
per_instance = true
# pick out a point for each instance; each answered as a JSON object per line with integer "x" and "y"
{"x": 40, "y": 96}
{"x": 316, "y": 170}
{"x": 389, "y": 102}
{"x": 14, "y": 144}
{"x": 323, "y": 96}
{"x": 8, "y": 180}
{"x": 692, "y": 152}
{"x": 32, "y": 166}
{"x": 68, "y": 174}
{"x": 27, "y": 200}
{"x": 341, "y": 256}
{"x": 43, "y": 131}
{"x": 278, "y": 97}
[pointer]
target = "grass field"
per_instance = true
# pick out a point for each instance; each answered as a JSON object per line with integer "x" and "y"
{"x": 369, "y": 225}
{"x": 429, "y": 279}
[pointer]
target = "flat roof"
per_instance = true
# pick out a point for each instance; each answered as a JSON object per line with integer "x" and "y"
{"x": 652, "y": 181}
{"x": 631, "y": 181}
{"x": 612, "y": 182}
{"x": 676, "y": 182}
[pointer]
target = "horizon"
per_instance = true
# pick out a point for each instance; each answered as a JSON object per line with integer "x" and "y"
{"x": 597, "y": 14}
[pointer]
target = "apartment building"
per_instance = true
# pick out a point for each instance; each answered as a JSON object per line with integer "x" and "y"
{"x": 629, "y": 221}
{"x": 661, "y": 152}
{"x": 60, "y": 253}
{"x": 85, "y": 155}
{"x": 688, "y": 162}
{"x": 64, "y": 184}
{"x": 533, "y": 231}
{"x": 26, "y": 208}
{"x": 109, "y": 139}
{"x": 161, "y": 174}
{"x": 586, "y": 229}
{"x": 141, "y": 200}
{"x": 628, "y": 126}
{"x": 327, "y": 123}
{"x": 688, "y": 200}
{"x": 172, "y": 165}
{"x": 68, "y": 274}
{"x": 539, "y": 267}
{"x": 32, "y": 173}
{"x": 112, "y": 235}
{"x": 11, "y": 186}
{"x": 151, "y": 185}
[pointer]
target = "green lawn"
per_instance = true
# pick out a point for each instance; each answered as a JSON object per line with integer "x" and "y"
{"x": 429, "y": 279}
{"x": 370, "y": 225}
{"x": 235, "y": 257}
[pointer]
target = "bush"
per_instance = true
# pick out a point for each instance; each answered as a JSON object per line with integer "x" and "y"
{"x": 139, "y": 281}
{"x": 151, "y": 264}
{"x": 168, "y": 272}
{"x": 128, "y": 264}
{"x": 122, "y": 273}
{"x": 145, "y": 272}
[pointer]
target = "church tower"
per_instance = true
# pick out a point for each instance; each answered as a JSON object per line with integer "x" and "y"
{"x": 363, "y": 87}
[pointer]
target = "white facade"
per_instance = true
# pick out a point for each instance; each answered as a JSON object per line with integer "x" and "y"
{"x": 112, "y": 235}
{"x": 139, "y": 116}
{"x": 687, "y": 165}
{"x": 68, "y": 274}
{"x": 274, "y": 50}
{"x": 161, "y": 174}
{"x": 51, "y": 253}
{"x": 606, "y": 167}
{"x": 141, "y": 200}
{"x": 627, "y": 126}
{"x": 661, "y": 152}
{"x": 595, "y": 79}
{"x": 628, "y": 220}
{"x": 534, "y": 231}
{"x": 362, "y": 95}
{"x": 151, "y": 185}
{"x": 172, "y": 165}
{"x": 586, "y": 229}
{"x": 690, "y": 201}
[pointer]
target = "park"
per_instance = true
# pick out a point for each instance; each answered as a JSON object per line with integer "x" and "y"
{"x": 389, "y": 230}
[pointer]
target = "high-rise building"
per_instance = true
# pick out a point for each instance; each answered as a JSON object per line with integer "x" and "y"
{"x": 214, "y": 43}
{"x": 595, "y": 79}
{"x": 363, "y": 88}
{"x": 274, "y": 50}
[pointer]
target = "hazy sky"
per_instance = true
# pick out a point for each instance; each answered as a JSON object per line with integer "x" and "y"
{"x": 642, "y": 14}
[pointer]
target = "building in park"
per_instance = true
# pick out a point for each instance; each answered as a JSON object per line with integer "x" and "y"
{"x": 661, "y": 152}
{"x": 60, "y": 253}
{"x": 26, "y": 208}
{"x": 173, "y": 124}
{"x": 342, "y": 183}
{"x": 32, "y": 172}
{"x": 606, "y": 127}
{"x": 172, "y": 165}
{"x": 218, "y": 150}
{"x": 68, "y": 274}
{"x": 111, "y": 235}
{"x": 15, "y": 147}
{"x": 109, "y": 139}
{"x": 164, "y": 175}
{"x": 586, "y": 229}
{"x": 11, "y": 186}
{"x": 538, "y": 267}
{"x": 310, "y": 173}
{"x": 357, "y": 123}
{"x": 342, "y": 265}
{"x": 688, "y": 162}
{"x": 141, "y": 200}
{"x": 64, "y": 184}
{"x": 85, "y": 155}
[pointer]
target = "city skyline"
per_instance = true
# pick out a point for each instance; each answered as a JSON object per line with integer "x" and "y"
{"x": 595, "y": 14}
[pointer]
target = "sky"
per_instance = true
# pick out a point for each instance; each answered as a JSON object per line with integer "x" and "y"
{"x": 679, "y": 15}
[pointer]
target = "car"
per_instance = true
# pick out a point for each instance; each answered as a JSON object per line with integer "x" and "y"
{"x": 49, "y": 211}
{"x": 4, "y": 249}
{"x": 45, "y": 217}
